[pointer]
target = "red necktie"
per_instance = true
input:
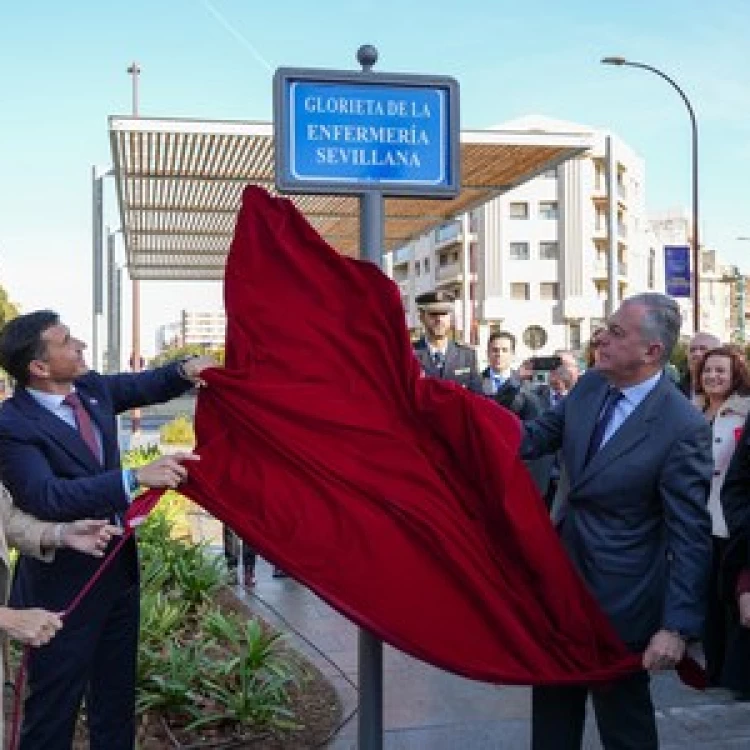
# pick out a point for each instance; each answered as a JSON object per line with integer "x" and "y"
{"x": 85, "y": 425}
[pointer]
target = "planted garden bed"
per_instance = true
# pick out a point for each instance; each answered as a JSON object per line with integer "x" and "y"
{"x": 211, "y": 674}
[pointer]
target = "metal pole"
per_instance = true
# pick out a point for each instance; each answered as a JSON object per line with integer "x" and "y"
{"x": 97, "y": 220}
{"x": 135, "y": 424}
{"x": 612, "y": 229}
{"x": 694, "y": 131}
{"x": 370, "y": 648}
{"x": 112, "y": 363}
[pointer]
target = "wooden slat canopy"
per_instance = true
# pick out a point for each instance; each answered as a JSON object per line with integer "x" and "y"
{"x": 179, "y": 184}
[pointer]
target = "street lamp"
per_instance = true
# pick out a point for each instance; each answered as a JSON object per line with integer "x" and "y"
{"x": 696, "y": 245}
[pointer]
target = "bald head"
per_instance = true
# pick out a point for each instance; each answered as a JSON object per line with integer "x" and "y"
{"x": 699, "y": 345}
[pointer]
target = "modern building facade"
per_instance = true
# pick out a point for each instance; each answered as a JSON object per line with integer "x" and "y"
{"x": 206, "y": 329}
{"x": 723, "y": 288}
{"x": 535, "y": 261}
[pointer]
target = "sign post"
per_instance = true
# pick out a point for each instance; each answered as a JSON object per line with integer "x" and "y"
{"x": 370, "y": 134}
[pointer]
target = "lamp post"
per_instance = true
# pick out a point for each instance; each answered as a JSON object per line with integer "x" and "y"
{"x": 696, "y": 244}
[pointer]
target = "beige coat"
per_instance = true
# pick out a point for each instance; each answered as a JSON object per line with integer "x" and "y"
{"x": 20, "y": 530}
{"x": 728, "y": 421}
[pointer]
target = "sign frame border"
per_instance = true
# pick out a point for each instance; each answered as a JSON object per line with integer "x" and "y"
{"x": 286, "y": 183}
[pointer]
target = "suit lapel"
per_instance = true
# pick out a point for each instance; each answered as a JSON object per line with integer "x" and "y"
{"x": 633, "y": 431}
{"x": 91, "y": 404}
{"x": 451, "y": 360}
{"x": 423, "y": 355}
{"x": 589, "y": 416}
{"x": 60, "y": 432}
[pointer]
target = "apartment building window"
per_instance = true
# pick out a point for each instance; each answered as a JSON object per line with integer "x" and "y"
{"x": 549, "y": 290}
{"x": 548, "y": 210}
{"x": 519, "y": 290}
{"x": 519, "y": 250}
{"x": 599, "y": 176}
{"x": 519, "y": 210}
{"x": 417, "y": 268}
{"x": 549, "y": 250}
{"x": 426, "y": 265}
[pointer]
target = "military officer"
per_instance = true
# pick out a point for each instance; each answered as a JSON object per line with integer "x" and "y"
{"x": 440, "y": 356}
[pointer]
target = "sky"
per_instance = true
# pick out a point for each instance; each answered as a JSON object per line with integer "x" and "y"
{"x": 63, "y": 72}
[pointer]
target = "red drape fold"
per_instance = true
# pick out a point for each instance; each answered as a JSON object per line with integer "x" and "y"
{"x": 399, "y": 499}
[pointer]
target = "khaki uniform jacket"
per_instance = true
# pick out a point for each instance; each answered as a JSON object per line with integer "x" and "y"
{"x": 23, "y": 531}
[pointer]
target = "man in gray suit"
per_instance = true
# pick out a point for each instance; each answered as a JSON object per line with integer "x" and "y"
{"x": 637, "y": 456}
{"x": 440, "y": 356}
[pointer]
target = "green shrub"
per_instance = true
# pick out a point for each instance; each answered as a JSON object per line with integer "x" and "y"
{"x": 197, "y": 665}
{"x": 178, "y": 432}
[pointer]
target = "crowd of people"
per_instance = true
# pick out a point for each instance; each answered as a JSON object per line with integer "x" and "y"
{"x": 649, "y": 487}
{"x": 647, "y": 480}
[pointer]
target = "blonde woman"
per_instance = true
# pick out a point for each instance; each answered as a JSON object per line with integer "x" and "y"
{"x": 37, "y": 627}
{"x": 722, "y": 388}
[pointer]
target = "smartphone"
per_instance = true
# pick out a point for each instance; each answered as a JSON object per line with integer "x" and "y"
{"x": 545, "y": 364}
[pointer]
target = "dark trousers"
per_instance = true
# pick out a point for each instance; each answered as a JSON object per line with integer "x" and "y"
{"x": 717, "y": 619}
{"x": 95, "y": 653}
{"x": 623, "y": 709}
{"x": 232, "y": 549}
{"x": 726, "y": 644}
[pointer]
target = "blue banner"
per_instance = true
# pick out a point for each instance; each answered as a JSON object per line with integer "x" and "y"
{"x": 677, "y": 270}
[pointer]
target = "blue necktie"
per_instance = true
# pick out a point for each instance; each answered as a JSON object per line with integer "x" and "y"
{"x": 607, "y": 412}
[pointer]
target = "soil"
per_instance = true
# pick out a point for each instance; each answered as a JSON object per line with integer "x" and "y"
{"x": 315, "y": 705}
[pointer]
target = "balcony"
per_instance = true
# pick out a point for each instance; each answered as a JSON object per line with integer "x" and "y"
{"x": 402, "y": 255}
{"x": 600, "y": 268}
{"x": 448, "y": 234}
{"x": 449, "y": 273}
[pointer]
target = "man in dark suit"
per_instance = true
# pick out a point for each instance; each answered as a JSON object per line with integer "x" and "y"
{"x": 501, "y": 384}
{"x": 59, "y": 457}
{"x": 637, "y": 457}
{"x": 440, "y": 356}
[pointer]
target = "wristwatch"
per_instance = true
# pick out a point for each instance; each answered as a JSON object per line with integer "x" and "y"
{"x": 181, "y": 366}
{"x": 132, "y": 478}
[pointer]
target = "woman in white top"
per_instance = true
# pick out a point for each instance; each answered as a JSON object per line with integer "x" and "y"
{"x": 722, "y": 392}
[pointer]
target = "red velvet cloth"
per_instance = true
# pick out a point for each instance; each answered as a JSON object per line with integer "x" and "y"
{"x": 398, "y": 499}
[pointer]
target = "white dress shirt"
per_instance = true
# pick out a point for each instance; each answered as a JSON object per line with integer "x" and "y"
{"x": 632, "y": 396}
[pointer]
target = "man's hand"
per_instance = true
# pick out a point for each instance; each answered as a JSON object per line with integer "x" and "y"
{"x": 89, "y": 536}
{"x": 744, "y": 604}
{"x": 192, "y": 368}
{"x": 33, "y": 626}
{"x": 665, "y": 650}
{"x": 166, "y": 471}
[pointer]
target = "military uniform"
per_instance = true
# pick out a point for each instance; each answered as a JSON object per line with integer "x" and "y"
{"x": 458, "y": 362}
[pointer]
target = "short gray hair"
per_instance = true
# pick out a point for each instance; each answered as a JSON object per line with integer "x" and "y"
{"x": 661, "y": 321}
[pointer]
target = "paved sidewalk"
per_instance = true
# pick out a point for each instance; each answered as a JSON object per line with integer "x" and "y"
{"x": 428, "y": 709}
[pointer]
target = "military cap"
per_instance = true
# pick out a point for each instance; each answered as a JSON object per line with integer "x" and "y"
{"x": 436, "y": 302}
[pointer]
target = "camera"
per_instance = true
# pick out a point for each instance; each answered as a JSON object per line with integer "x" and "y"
{"x": 545, "y": 364}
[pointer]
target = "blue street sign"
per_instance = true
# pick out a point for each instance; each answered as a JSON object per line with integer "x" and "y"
{"x": 677, "y": 270}
{"x": 350, "y": 131}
